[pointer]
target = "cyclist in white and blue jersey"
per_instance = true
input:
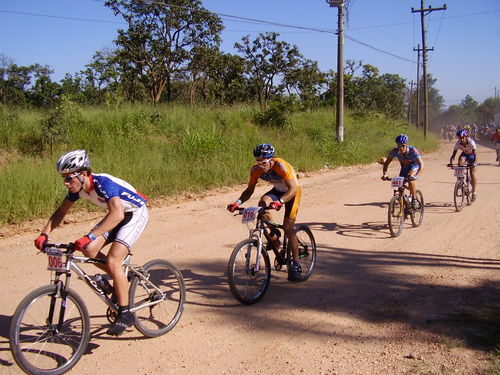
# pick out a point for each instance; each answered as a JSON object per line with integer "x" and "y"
{"x": 468, "y": 156}
{"x": 121, "y": 227}
{"x": 411, "y": 164}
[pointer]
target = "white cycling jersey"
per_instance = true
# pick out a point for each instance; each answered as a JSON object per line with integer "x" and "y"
{"x": 103, "y": 187}
{"x": 467, "y": 148}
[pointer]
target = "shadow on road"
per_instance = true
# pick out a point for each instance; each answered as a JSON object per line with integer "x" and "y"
{"x": 397, "y": 293}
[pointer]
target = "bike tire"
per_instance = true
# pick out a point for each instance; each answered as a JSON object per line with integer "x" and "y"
{"x": 417, "y": 215}
{"x": 458, "y": 196}
{"x": 42, "y": 349}
{"x": 307, "y": 251}
{"x": 468, "y": 196}
{"x": 248, "y": 286}
{"x": 156, "y": 320}
{"x": 395, "y": 215}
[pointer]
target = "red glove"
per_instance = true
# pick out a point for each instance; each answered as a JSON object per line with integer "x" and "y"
{"x": 41, "y": 240}
{"x": 82, "y": 243}
{"x": 275, "y": 205}
{"x": 232, "y": 207}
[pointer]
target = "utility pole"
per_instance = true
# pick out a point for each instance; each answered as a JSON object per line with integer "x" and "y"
{"x": 339, "y": 4}
{"x": 417, "y": 110}
{"x": 410, "y": 100}
{"x": 417, "y": 117}
{"x": 423, "y": 12}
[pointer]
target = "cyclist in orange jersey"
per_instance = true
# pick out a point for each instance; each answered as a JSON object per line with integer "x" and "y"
{"x": 286, "y": 191}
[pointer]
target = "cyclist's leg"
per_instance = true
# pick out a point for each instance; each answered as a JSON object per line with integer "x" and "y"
{"x": 291, "y": 210}
{"x": 407, "y": 171}
{"x": 123, "y": 238}
{"x": 93, "y": 250}
{"x": 114, "y": 263}
{"x": 473, "y": 179}
{"x": 271, "y": 196}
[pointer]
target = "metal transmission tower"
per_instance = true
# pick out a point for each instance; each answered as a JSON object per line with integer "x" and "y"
{"x": 423, "y": 12}
{"x": 340, "y": 68}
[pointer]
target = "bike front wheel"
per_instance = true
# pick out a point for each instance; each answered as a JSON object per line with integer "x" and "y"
{"x": 307, "y": 251}
{"x": 157, "y": 303}
{"x": 417, "y": 214}
{"x": 396, "y": 215}
{"x": 49, "y": 334}
{"x": 247, "y": 280}
{"x": 458, "y": 196}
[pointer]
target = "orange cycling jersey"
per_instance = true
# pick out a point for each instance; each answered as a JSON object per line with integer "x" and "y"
{"x": 277, "y": 175}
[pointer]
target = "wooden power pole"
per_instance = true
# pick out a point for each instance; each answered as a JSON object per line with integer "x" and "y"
{"x": 423, "y": 12}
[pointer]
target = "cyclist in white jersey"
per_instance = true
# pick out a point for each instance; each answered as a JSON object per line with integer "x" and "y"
{"x": 468, "y": 156}
{"x": 121, "y": 227}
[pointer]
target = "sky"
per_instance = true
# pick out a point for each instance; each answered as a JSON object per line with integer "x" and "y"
{"x": 465, "y": 38}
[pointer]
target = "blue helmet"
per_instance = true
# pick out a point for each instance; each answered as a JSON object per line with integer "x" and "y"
{"x": 264, "y": 150}
{"x": 402, "y": 138}
{"x": 462, "y": 133}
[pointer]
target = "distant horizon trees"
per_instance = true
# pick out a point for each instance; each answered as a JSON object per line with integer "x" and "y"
{"x": 171, "y": 53}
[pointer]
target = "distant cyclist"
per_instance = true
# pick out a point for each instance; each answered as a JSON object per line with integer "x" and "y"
{"x": 411, "y": 164}
{"x": 495, "y": 139}
{"x": 121, "y": 227}
{"x": 468, "y": 156}
{"x": 286, "y": 191}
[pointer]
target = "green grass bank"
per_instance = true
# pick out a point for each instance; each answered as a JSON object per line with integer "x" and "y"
{"x": 168, "y": 150}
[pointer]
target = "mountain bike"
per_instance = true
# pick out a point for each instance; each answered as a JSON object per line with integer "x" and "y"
{"x": 249, "y": 267}
{"x": 462, "y": 192}
{"x": 400, "y": 206}
{"x": 50, "y": 328}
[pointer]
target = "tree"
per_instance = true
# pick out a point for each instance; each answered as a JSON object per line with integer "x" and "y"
{"x": 307, "y": 81}
{"x": 267, "y": 61}
{"x": 219, "y": 77}
{"x": 160, "y": 37}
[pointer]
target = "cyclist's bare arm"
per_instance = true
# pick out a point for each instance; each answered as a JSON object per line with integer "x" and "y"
{"x": 114, "y": 216}
{"x": 386, "y": 165}
{"x": 58, "y": 216}
{"x": 247, "y": 193}
{"x": 420, "y": 166}
{"x": 453, "y": 156}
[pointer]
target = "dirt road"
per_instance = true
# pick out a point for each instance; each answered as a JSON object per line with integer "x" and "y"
{"x": 426, "y": 302}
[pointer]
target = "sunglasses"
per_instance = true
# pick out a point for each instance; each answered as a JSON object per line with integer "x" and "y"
{"x": 262, "y": 162}
{"x": 69, "y": 177}
{"x": 403, "y": 145}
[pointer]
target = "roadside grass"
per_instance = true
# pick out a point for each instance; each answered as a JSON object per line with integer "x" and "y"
{"x": 172, "y": 149}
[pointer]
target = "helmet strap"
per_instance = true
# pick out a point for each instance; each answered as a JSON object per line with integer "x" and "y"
{"x": 82, "y": 181}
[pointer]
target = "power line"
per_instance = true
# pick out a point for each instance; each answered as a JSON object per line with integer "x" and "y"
{"x": 60, "y": 17}
{"x": 246, "y": 19}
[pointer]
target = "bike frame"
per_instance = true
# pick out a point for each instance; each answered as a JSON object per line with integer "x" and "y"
{"x": 403, "y": 198}
{"x": 257, "y": 232}
{"x": 62, "y": 287}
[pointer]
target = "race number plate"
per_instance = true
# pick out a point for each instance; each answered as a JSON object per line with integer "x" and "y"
{"x": 56, "y": 262}
{"x": 459, "y": 172}
{"x": 249, "y": 214}
{"x": 397, "y": 182}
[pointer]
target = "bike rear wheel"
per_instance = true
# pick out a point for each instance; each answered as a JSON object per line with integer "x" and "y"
{"x": 417, "y": 214}
{"x": 458, "y": 196}
{"x": 396, "y": 215}
{"x": 156, "y": 319}
{"x": 41, "y": 347}
{"x": 468, "y": 193}
{"x": 307, "y": 251}
{"x": 248, "y": 284}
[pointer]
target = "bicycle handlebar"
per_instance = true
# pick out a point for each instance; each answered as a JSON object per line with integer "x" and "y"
{"x": 68, "y": 246}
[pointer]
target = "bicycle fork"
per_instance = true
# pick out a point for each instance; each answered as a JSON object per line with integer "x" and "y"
{"x": 257, "y": 234}
{"x": 59, "y": 292}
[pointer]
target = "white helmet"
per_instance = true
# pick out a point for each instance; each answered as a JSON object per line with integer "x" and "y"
{"x": 73, "y": 161}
